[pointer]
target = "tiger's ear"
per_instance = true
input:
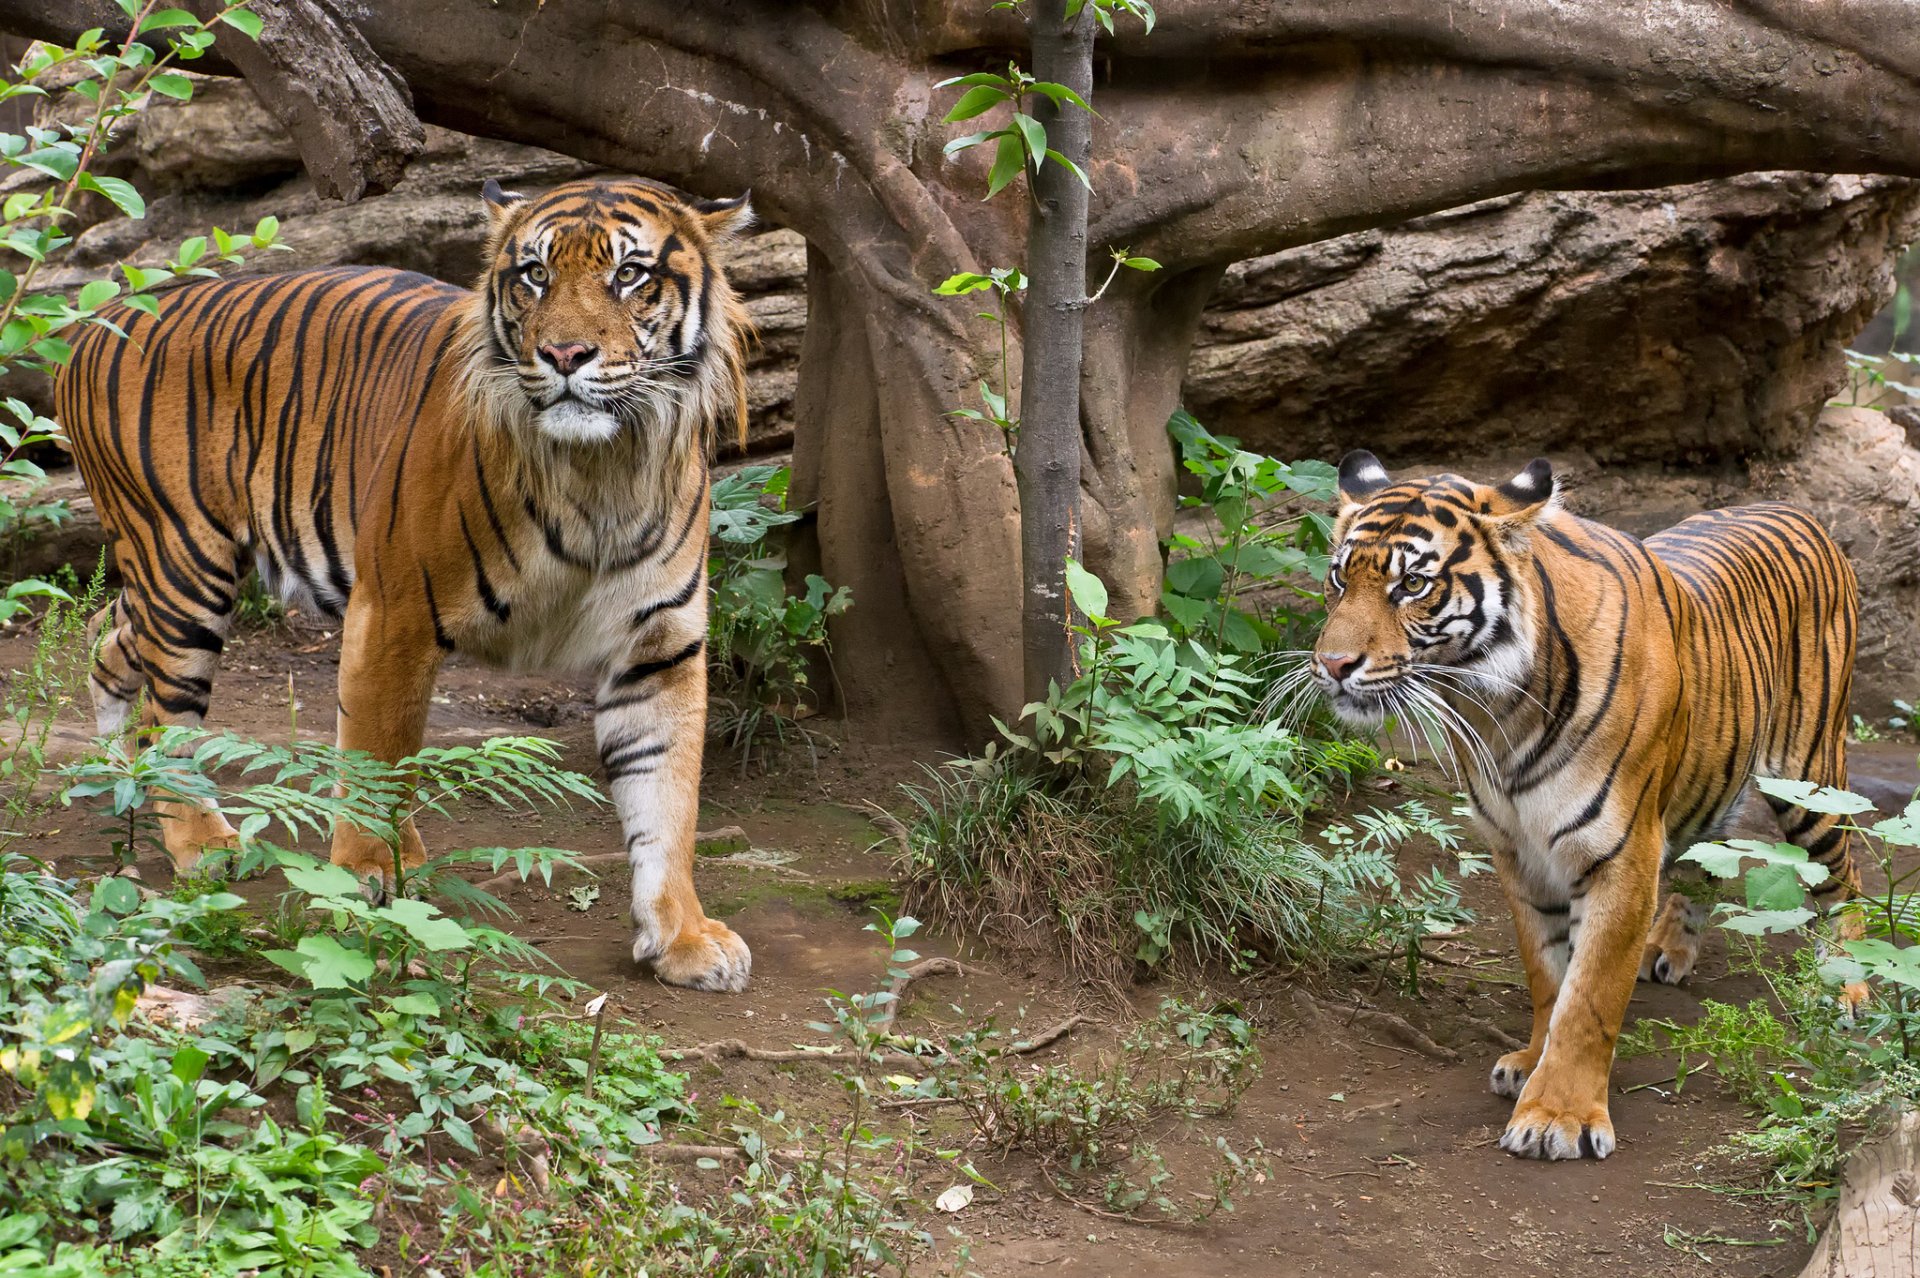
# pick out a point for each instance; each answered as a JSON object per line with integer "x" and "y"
{"x": 726, "y": 219}
{"x": 1528, "y": 492}
{"x": 1515, "y": 506}
{"x": 1361, "y": 476}
{"x": 499, "y": 203}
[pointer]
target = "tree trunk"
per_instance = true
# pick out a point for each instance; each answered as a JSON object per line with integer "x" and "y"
{"x": 1046, "y": 462}
{"x": 1876, "y": 1233}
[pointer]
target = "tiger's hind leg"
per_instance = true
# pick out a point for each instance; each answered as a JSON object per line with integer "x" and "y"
{"x": 167, "y": 646}
{"x": 1673, "y": 946}
{"x": 117, "y": 679}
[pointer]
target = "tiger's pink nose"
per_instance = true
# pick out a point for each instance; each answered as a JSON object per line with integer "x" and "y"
{"x": 1338, "y": 665}
{"x": 567, "y": 356}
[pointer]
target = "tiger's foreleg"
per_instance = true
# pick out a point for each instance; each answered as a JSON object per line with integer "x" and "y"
{"x": 1673, "y": 946}
{"x": 388, "y": 660}
{"x": 650, "y": 724}
{"x": 1562, "y": 1110}
{"x": 1541, "y": 930}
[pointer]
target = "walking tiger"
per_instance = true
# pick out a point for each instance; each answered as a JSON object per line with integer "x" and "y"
{"x": 1609, "y": 700}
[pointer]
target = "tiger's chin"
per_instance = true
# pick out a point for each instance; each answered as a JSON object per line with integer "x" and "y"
{"x": 573, "y": 421}
{"x": 1360, "y": 712}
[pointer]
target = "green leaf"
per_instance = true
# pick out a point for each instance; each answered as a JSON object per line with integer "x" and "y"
{"x": 1088, "y": 591}
{"x": 1140, "y": 263}
{"x": 970, "y": 139}
{"x": 1058, "y": 93}
{"x": 120, "y": 191}
{"x": 963, "y": 282}
{"x": 97, "y": 293}
{"x": 1887, "y": 962}
{"x": 173, "y": 86}
{"x": 987, "y": 78}
{"x": 1774, "y": 887}
{"x": 189, "y": 1063}
{"x": 1814, "y": 798}
{"x": 1035, "y": 136}
{"x": 316, "y": 879}
{"x": 1075, "y": 169}
{"x": 246, "y": 23}
{"x": 978, "y": 100}
{"x": 1763, "y": 922}
{"x": 165, "y": 18}
{"x": 1723, "y": 859}
{"x": 415, "y": 1004}
{"x": 426, "y": 925}
{"x": 327, "y": 964}
{"x": 1006, "y": 163}
{"x": 116, "y": 896}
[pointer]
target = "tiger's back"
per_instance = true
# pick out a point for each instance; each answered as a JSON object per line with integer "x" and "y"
{"x": 257, "y": 415}
{"x": 1766, "y": 645}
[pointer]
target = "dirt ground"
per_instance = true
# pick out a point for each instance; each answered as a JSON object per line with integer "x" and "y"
{"x": 1384, "y": 1161}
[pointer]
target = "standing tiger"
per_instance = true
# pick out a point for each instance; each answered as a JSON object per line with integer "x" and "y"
{"x": 1609, "y": 699}
{"x": 517, "y": 472}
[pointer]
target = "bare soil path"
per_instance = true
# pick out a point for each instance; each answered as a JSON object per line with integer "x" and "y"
{"x": 1384, "y": 1162}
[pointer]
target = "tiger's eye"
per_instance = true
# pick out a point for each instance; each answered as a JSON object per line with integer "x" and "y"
{"x": 630, "y": 274}
{"x": 536, "y": 273}
{"x": 1415, "y": 583}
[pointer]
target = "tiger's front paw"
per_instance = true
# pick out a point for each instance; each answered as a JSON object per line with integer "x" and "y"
{"x": 1510, "y": 1072}
{"x": 1543, "y": 1127}
{"x": 707, "y": 955}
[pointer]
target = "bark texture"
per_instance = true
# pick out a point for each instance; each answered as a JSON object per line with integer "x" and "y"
{"x": 350, "y": 112}
{"x": 1046, "y": 463}
{"x": 1235, "y": 129}
{"x": 1876, "y": 1233}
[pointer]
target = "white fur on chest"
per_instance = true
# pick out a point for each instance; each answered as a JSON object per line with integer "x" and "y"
{"x": 1548, "y": 866}
{"x": 565, "y": 620}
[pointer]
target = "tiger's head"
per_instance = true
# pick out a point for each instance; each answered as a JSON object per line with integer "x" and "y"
{"x": 605, "y": 310}
{"x": 1425, "y": 590}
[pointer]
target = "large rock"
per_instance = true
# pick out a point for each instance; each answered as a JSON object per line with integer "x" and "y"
{"x": 1689, "y": 324}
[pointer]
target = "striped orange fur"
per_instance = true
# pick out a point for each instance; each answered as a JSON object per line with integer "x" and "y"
{"x": 1608, "y": 700}
{"x": 517, "y": 472}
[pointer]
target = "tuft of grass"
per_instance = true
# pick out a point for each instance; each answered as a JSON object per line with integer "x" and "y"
{"x": 1008, "y": 854}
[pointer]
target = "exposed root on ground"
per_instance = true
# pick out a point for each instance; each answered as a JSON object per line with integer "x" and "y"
{"x": 1385, "y": 1022}
{"x": 904, "y": 981}
{"x": 738, "y": 1049}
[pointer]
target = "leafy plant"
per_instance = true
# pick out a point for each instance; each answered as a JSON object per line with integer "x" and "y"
{"x": 762, "y": 642}
{"x": 1264, "y": 544}
{"x": 1819, "y": 1069}
{"x": 1870, "y": 386}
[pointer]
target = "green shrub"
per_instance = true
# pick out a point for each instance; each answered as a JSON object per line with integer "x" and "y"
{"x": 762, "y": 643}
{"x": 1153, "y": 810}
{"x": 1818, "y": 1070}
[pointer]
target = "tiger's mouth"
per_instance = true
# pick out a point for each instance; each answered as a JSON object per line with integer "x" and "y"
{"x": 1365, "y": 708}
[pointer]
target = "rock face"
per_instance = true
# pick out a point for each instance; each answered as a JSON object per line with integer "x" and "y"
{"x": 1684, "y": 325}
{"x": 1670, "y": 349}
